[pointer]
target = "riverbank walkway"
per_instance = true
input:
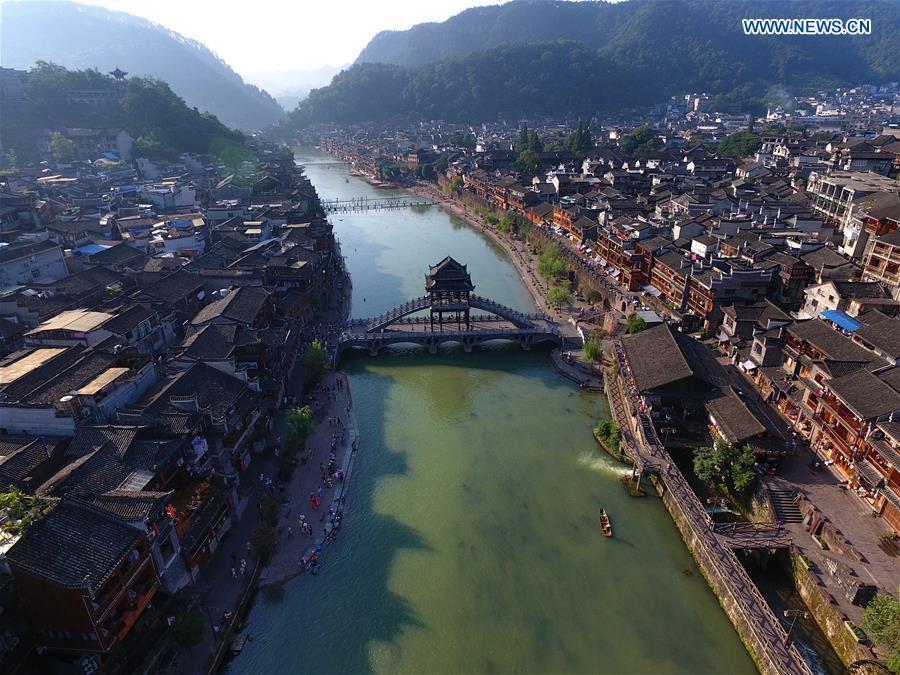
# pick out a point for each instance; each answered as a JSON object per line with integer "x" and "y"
{"x": 713, "y": 545}
{"x": 334, "y": 415}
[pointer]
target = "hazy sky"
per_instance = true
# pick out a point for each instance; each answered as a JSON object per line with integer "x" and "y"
{"x": 271, "y": 35}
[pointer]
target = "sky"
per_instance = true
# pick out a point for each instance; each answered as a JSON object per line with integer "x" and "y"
{"x": 262, "y": 36}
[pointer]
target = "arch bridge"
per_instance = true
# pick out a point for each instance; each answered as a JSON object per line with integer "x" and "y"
{"x": 449, "y": 302}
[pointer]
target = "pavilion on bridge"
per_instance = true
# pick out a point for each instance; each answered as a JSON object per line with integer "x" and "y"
{"x": 448, "y": 285}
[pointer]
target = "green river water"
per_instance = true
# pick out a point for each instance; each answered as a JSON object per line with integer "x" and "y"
{"x": 471, "y": 542}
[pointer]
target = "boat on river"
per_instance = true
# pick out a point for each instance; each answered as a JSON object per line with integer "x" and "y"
{"x": 605, "y": 524}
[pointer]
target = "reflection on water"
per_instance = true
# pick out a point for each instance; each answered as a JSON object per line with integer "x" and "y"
{"x": 471, "y": 542}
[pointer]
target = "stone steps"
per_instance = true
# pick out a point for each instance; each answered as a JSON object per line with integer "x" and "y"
{"x": 785, "y": 503}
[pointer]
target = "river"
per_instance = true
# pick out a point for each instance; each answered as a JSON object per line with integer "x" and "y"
{"x": 471, "y": 542}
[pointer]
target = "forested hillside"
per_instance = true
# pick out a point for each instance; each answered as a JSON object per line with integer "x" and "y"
{"x": 80, "y": 37}
{"x": 160, "y": 122}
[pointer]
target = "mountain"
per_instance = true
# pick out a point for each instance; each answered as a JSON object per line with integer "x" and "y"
{"x": 81, "y": 36}
{"x": 656, "y": 31}
{"x": 550, "y": 78}
{"x": 482, "y": 28}
{"x": 160, "y": 123}
{"x": 289, "y": 87}
{"x": 585, "y": 57}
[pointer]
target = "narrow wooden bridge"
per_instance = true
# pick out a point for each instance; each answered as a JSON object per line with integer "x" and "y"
{"x": 713, "y": 545}
{"x": 362, "y": 204}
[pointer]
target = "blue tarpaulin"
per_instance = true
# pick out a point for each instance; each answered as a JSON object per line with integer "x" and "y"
{"x": 842, "y": 319}
{"x": 91, "y": 249}
{"x": 111, "y": 156}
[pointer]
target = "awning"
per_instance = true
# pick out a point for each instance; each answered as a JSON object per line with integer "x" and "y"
{"x": 842, "y": 319}
{"x": 748, "y": 365}
{"x": 891, "y": 496}
{"x": 652, "y": 290}
{"x": 721, "y": 337}
{"x": 869, "y": 473}
{"x": 614, "y": 273}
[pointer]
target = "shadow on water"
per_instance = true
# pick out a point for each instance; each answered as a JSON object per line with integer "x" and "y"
{"x": 333, "y": 638}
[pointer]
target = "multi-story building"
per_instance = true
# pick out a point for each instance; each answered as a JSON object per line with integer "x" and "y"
{"x": 883, "y": 260}
{"x": 837, "y": 196}
{"x": 83, "y": 577}
{"x": 41, "y": 262}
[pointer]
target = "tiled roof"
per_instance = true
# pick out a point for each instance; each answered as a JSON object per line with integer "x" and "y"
{"x": 241, "y": 305}
{"x": 73, "y": 545}
{"x": 865, "y": 394}
{"x": 213, "y": 389}
{"x": 655, "y": 357}
{"x": 86, "y": 369}
{"x": 834, "y": 345}
{"x": 129, "y": 504}
{"x": 217, "y": 341}
{"x": 175, "y": 287}
{"x": 734, "y": 420}
{"x": 883, "y": 335}
{"x": 88, "y": 439}
{"x": 128, "y": 318}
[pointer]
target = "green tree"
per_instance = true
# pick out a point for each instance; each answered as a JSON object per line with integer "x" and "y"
{"x": 263, "y": 541}
{"x": 726, "y": 465}
{"x": 882, "y": 622}
{"x": 11, "y": 160}
{"x": 315, "y": 362}
{"x": 534, "y": 142}
{"x": 187, "y": 630}
{"x": 581, "y": 142}
{"x": 522, "y": 143}
{"x": 463, "y": 139}
{"x": 456, "y": 184}
{"x": 559, "y": 296}
{"x": 593, "y": 346}
{"x": 641, "y": 142}
{"x": 298, "y": 425}
{"x": 739, "y": 144}
{"x": 528, "y": 163}
{"x": 608, "y": 433}
{"x": 636, "y": 324}
{"x": 62, "y": 149}
{"x": 551, "y": 264}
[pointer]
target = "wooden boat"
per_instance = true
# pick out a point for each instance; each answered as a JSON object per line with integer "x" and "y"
{"x": 237, "y": 644}
{"x": 605, "y": 525}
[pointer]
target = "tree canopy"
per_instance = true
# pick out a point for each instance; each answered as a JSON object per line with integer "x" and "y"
{"x": 315, "y": 362}
{"x": 593, "y": 346}
{"x": 298, "y": 425}
{"x": 559, "y": 296}
{"x": 739, "y": 144}
{"x": 159, "y": 121}
{"x": 551, "y": 264}
{"x": 882, "y": 621}
{"x": 61, "y": 148}
{"x": 635, "y": 324}
{"x": 726, "y": 465}
{"x": 641, "y": 143}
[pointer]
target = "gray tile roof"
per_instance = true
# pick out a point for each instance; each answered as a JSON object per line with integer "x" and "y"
{"x": 131, "y": 505}
{"x": 74, "y": 544}
{"x": 865, "y": 394}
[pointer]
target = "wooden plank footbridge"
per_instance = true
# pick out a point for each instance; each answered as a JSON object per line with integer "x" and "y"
{"x": 714, "y": 545}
